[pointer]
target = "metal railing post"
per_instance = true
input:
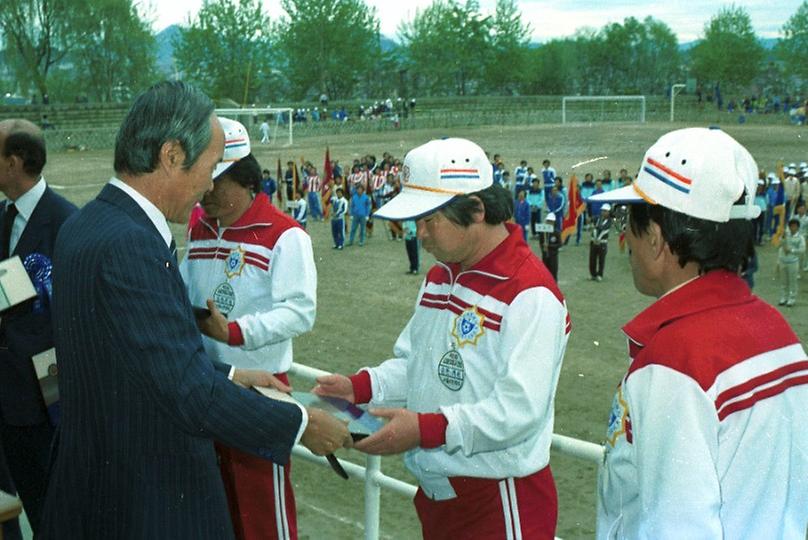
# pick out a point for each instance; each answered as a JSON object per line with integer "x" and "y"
{"x": 372, "y": 497}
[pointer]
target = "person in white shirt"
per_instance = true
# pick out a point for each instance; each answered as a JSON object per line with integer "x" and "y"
{"x": 474, "y": 372}
{"x": 253, "y": 267}
{"x": 706, "y": 436}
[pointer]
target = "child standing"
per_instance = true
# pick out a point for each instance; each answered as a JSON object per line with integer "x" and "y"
{"x": 535, "y": 198}
{"x": 791, "y": 249}
{"x": 550, "y": 242}
{"x": 301, "y": 211}
{"x": 338, "y": 208}
{"x": 411, "y": 244}
{"x": 522, "y": 213}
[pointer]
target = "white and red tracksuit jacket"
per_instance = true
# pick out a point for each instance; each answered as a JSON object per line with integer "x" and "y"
{"x": 260, "y": 272}
{"x": 708, "y": 433}
{"x": 480, "y": 357}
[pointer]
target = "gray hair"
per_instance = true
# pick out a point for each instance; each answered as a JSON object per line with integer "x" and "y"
{"x": 168, "y": 111}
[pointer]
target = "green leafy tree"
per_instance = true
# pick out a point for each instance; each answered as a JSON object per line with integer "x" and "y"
{"x": 638, "y": 57}
{"x": 509, "y": 41}
{"x": 729, "y": 53}
{"x": 448, "y": 46}
{"x": 226, "y": 50}
{"x": 793, "y": 47}
{"x": 554, "y": 69}
{"x": 115, "y": 56}
{"x": 330, "y": 47}
{"x": 38, "y": 35}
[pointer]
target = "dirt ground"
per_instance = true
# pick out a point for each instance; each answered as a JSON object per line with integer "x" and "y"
{"x": 365, "y": 298}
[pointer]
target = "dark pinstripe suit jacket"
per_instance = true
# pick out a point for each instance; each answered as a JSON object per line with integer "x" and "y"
{"x": 141, "y": 403}
{"x": 23, "y": 331}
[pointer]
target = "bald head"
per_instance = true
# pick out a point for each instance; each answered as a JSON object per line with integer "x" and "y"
{"x": 24, "y": 140}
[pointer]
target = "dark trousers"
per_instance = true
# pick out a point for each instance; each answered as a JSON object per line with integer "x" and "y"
{"x": 27, "y": 451}
{"x": 535, "y": 220}
{"x": 551, "y": 262}
{"x": 597, "y": 259}
{"x": 758, "y": 224}
{"x": 10, "y": 528}
{"x": 412, "y": 253}
{"x": 338, "y": 231}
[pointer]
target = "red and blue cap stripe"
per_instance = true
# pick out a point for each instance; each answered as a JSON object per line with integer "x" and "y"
{"x": 455, "y": 174}
{"x": 667, "y": 176}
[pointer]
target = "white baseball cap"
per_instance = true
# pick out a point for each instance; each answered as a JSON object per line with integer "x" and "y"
{"x": 700, "y": 172}
{"x": 236, "y": 145}
{"x": 433, "y": 174}
{"x": 550, "y": 217}
{"x": 606, "y": 206}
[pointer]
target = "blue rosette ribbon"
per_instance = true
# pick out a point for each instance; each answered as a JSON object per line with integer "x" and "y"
{"x": 40, "y": 270}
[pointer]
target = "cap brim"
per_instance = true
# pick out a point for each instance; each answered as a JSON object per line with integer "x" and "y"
{"x": 221, "y": 167}
{"x": 412, "y": 204}
{"x": 625, "y": 194}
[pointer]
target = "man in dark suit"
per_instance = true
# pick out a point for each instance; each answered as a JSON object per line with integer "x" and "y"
{"x": 141, "y": 402}
{"x": 30, "y": 218}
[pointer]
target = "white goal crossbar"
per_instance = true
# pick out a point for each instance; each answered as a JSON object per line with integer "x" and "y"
{"x": 602, "y": 99}
{"x": 278, "y": 118}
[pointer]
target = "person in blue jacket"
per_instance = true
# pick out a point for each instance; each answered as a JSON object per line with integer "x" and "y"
{"x": 360, "y": 211}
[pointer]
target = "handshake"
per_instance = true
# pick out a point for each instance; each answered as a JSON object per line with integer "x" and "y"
{"x": 325, "y": 433}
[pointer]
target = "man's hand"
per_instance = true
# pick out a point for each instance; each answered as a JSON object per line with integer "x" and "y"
{"x": 215, "y": 326}
{"x": 338, "y": 386}
{"x": 324, "y": 433}
{"x": 400, "y": 434}
{"x": 256, "y": 377}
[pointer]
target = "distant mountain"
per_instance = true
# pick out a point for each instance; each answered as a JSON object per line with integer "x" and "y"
{"x": 387, "y": 43}
{"x": 768, "y": 44}
{"x": 166, "y": 39}
{"x": 165, "y": 49}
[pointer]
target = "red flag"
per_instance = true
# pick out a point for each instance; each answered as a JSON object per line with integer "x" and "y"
{"x": 576, "y": 208}
{"x": 279, "y": 184}
{"x": 295, "y": 180}
{"x": 328, "y": 171}
{"x": 328, "y": 180}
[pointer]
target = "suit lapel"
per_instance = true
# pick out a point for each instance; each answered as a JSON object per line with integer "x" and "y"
{"x": 117, "y": 197}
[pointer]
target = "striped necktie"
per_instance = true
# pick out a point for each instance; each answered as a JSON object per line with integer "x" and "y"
{"x": 173, "y": 248}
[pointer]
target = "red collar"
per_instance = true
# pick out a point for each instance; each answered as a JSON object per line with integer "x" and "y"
{"x": 713, "y": 289}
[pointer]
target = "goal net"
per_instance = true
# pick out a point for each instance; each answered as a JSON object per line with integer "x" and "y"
{"x": 279, "y": 128}
{"x": 592, "y": 109}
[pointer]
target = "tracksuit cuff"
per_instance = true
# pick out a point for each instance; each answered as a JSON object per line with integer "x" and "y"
{"x": 362, "y": 389}
{"x": 235, "y": 338}
{"x": 433, "y": 429}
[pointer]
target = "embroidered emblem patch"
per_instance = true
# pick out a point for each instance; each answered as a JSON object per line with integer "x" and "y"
{"x": 234, "y": 263}
{"x": 225, "y": 298}
{"x": 451, "y": 371}
{"x": 468, "y": 327}
{"x": 619, "y": 420}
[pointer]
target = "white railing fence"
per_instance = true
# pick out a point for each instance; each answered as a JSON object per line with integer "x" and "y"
{"x": 375, "y": 480}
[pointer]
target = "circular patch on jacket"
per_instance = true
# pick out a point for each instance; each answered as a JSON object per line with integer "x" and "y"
{"x": 451, "y": 371}
{"x": 225, "y": 298}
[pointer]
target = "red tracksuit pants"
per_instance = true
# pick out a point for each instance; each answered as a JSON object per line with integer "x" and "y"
{"x": 490, "y": 509}
{"x": 259, "y": 494}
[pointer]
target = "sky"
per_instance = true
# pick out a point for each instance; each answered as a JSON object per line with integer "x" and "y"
{"x": 549, "y": 19}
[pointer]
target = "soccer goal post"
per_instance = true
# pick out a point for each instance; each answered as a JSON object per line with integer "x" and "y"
{"x": 589, "y": 109}
{"x": 278, "y": 119}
